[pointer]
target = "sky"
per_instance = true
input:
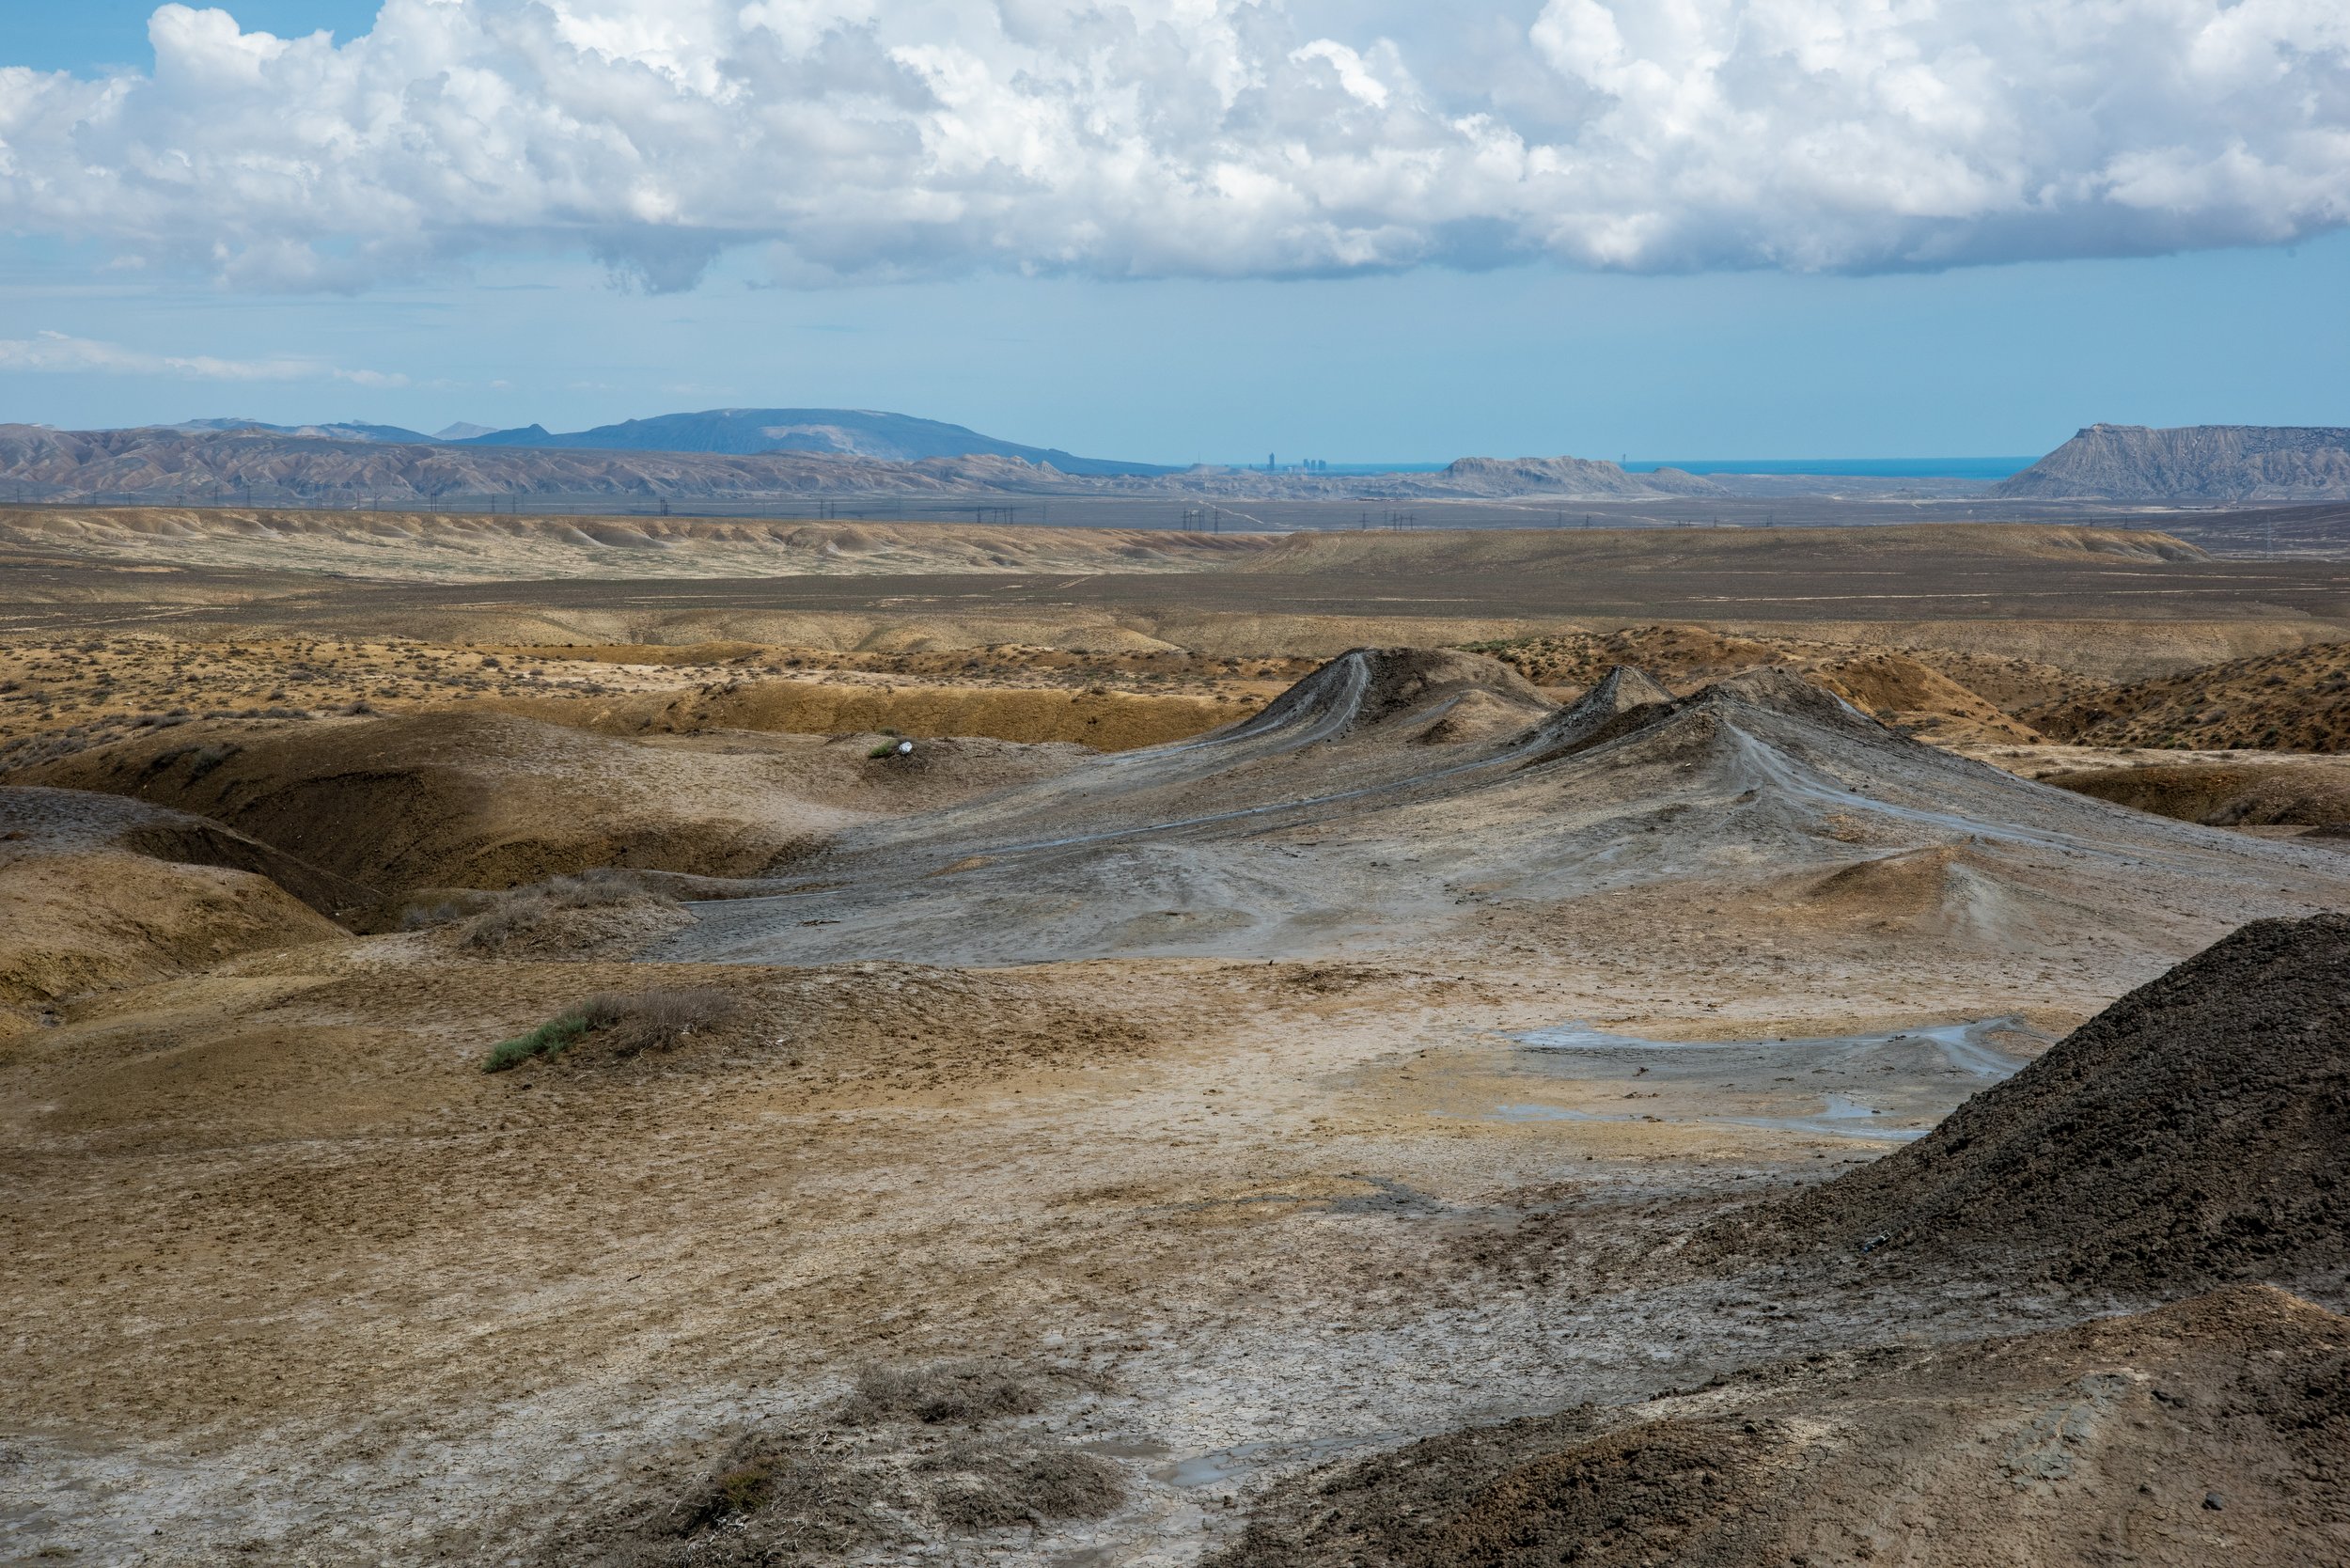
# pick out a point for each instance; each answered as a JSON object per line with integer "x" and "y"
{"x": 1180, "y": 230}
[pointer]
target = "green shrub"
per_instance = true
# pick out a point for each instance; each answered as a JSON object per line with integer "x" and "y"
{"x": 545, "y": 1041}
{"x": 625, "y": 1023}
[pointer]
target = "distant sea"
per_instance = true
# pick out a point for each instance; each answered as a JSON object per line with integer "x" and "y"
{"x": 1882, "y": 468}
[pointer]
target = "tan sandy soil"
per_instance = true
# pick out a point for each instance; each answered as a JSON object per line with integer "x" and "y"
{"x": 439, "y": 547}
{"x": 2295, "y": 701}
{"x": 1685, "y": 657}
{"x": 293, "y": 1281}
{"x": 102, "y": 893}
{"x": 59, "y": 695}
{"x": 2108, "y": 603}
{"x": 275, "y": 1229}
{"x": 1907, "y": 688}
{"x": 472, "y": 798}
{"x": 2276, "y": 792}
{"x": 1091, "y": 716}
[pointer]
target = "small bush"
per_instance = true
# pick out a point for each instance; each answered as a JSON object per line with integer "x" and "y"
{"x": 888, "y": 748}
{"x": 207, "y": 757}
{"x": 744, "y": 1487}
{"x": 811, "y": 1500}
{"x": 441, "y": 907}
{"x": 547, "y": 1040}
{"x": 619, "y": 1024}
{"x": 990, "y": 1482}
{"x": 502, "y": 916}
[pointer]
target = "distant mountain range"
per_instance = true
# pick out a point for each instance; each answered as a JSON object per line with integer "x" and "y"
{"x": 845, "y": 432}
{"x": 748, "y": 455}
{"x": 2192, "y": 462}
{"x": 736, "y": 432}
{"x": 316, "y": 464}
{"x": 344, "y": 431}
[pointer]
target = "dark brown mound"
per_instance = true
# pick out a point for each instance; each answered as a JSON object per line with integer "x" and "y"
{"x": 473, "y": 799}
{"x": 98, "y": 892}
{"x": 60, "y": 820}
{"x": 2195, "y": 1131}
{"x": 2224, "y": 794}
{"x": 2216, "y": 1430}
{"x": 2297, "y": 700}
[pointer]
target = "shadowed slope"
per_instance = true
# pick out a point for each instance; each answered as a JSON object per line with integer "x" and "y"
{"x": 2193, "y": 1131}
{"x": 2214, "y": 1431}
{"x": 474, "y": 799}
{"x": 97, "y": 892}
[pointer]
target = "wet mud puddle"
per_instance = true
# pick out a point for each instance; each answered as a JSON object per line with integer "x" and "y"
{"x": 1889, "y": 1087}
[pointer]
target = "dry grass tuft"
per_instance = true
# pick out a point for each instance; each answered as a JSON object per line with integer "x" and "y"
{"x": 958, "y": 1391}
{"x": 618, "y": 1024}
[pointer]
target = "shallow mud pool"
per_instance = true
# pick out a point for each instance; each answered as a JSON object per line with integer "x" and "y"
{"x": 1889, "y": 1087}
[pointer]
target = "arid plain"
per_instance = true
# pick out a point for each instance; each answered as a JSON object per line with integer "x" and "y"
{"x": 1088, "y": 1046}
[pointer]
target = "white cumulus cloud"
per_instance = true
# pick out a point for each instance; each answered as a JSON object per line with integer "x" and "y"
{"x": 57, "y": 353}
{"x": 863, "y": 138}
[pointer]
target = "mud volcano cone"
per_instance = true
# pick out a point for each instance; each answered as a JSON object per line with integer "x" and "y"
{"x": 1366, "y": 687}
{"x": 2196, "y": 1131}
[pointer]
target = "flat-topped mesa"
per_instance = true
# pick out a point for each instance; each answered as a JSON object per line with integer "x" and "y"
{"x": 2193, "y": 462}
{"x": 1391, "y": 689}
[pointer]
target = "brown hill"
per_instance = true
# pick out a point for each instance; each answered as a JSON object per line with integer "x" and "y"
{"x": 470, "y": 799}
{"x": 1103, "y": 720}
{"x": 1773, "y": 551}
{"x": 98, "y": 892}
{"x": 2224, "y": 794}
{"x": 2214, "y": 1431}
{"x": 2192, "y": 462}
{"x": 1685, "y": 657}
{"x": 2295, "y": 701}
{"x": 438, "y": 547}
{"x": 1904, "y": 691}
{"x": 2191, "y": 1132}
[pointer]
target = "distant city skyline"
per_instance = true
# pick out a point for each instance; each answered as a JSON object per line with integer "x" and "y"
{"x": 1947, "y": 282}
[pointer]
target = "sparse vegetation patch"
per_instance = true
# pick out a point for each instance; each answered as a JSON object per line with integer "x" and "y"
{"x": 621, "y": 1023}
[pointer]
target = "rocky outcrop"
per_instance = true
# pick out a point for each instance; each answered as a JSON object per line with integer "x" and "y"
{"x": 2193, "y": 462}
{"x": 1560, "y": 476}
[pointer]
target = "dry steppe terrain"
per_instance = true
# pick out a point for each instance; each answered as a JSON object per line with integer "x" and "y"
{"x": 833, "y": 1044}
